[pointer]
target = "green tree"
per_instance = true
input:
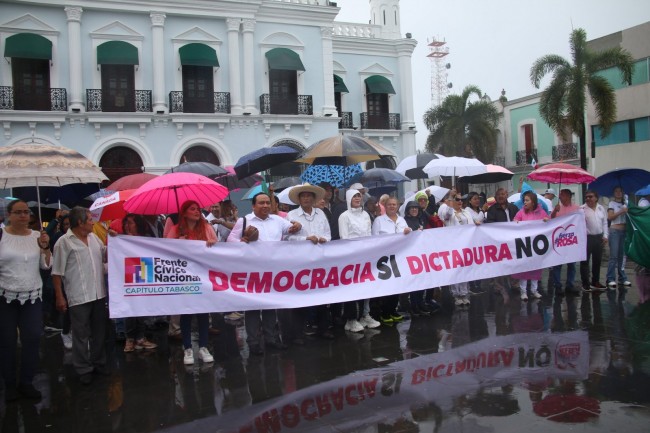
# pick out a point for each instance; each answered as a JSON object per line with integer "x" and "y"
{"x": 458, "y": 127}
{"x": 563, "y": 103}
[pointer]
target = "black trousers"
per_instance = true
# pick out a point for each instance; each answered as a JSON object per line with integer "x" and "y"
{"x": 595, "y": 253}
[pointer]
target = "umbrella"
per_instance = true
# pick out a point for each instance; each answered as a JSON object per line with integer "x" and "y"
{"x": 643, "y": 191}
{"x": 412, "y": 166}
{"x": 252, "y": 192}
{"x": 165, "y": 194}
{"x": 286, "y": 183}
{"x": 544, "y": 202}
{"x": 561, "y": 172}
{"x": 569, "y": 408}
{"x": 378, "y": 177}
{"x": 131, "y": 181}
{"x": 199, "y": 167}
{"x": 343, "y": 150}
{"x": 263, "y": 159}
{"x": 283, "y": 196}
{"x": 494, "y": 174}
{"x": 111, "y": 207}
{"x": 233, "y": 183}
{"x": 630, "y": 179}
{"x": 45, "y": 165}
{"x": 71, "y": 194}
{"x": 335, "y": 175}
{"x": 454, "y": 166}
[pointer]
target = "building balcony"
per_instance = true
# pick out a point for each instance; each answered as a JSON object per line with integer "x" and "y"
{"x": 565, "y": 152}
{"x": 346, "y": 120}
{"x": 523, "y": 157}
{"x": 139, "y": 101}
{"x": 286, "y": 104}
{"x": 219, "y": 103}
{"x": 381, "y": 121}
{"x": 48, "y": 100}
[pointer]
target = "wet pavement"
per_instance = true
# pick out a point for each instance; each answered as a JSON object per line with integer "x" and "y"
{"x": 574, "y": 363}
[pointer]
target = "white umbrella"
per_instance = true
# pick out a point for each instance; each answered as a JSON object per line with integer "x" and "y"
{"x": 540, "y": 198}
{"x": 283, "y": 196}
{"x": 437, "y": 192}
{"x": 45, "y": 165}
{"x": 454, "y": 166}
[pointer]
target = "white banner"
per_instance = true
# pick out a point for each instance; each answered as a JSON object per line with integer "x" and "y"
{"x": 387, "y": 393}
{"x": 149, "y": 277}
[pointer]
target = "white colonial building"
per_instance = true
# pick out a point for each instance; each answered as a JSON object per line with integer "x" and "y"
{"x": 145, "y": 84}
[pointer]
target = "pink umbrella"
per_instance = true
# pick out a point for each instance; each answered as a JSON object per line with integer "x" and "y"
{"x": 494, "y": 173}
{"x": 561, "y": 172}
{"x": 111, "y": 207}
{"x": 131, "y": 181}
{"x": 165, "y": 194}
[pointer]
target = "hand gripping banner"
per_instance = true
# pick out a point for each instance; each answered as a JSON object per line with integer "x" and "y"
{"x": 149, "y": 277}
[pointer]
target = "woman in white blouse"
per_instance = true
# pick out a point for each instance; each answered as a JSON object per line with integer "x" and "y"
{"x": 454, "y": 215}
{"x": 22, "y": 252}
{"x": 390, "y": 223}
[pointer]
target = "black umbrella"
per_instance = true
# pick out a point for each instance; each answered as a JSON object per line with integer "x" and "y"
{"x": 379, "y": 177}
{"x": 286, "y": 183}
{"x": 411, "y": 166}
{"x": 264, "y": 159}
{"x": 199, "y": 167}
{"x": 233, "y": 183}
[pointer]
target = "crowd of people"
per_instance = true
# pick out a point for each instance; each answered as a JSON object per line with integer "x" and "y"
{"x": 58, "y": 275}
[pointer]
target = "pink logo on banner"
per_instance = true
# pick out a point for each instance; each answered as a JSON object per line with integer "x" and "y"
{"x": 562, "y": 237}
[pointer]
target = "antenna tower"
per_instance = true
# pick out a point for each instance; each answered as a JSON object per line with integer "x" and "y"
{"x": 438, "y": 52}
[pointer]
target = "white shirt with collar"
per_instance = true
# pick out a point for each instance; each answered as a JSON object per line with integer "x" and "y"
{"x": 273, "y": 228}
{"x": 384, "y": 225}
{"x": 596, "y": 220}
{"x": 314, "y": 224}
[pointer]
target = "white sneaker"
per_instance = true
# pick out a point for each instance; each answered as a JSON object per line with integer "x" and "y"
{"x": 188, "y": 357}
{"x": 536, "y": 295}
{"x": 368, "y": 322}
{"x": 353, "y": 326}
{"x": 458, "y": 302}
{"x": 67, "y": 340}
{"x": 627, "y": 283}
{"x": 612, "y": 284}
{"x": 204, "y": 355}
{"x": 524, "y": 297}
{"x": 466, "y": 300}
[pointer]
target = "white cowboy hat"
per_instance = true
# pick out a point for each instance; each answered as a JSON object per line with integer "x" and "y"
{"x": 294, "y": 194}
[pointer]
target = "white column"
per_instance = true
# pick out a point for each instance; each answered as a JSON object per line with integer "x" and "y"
{"x": 249, "y": 68}
{"x": 158, "y": 42}
{"x": 404, "y": 51}
{"x": 234, "y": 68}
{"x": 329, "y": 107}
{"x": 74, "y": 58}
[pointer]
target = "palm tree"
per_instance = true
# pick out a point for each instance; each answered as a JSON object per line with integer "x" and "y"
{"x": 563, "y": 102}
{"x": 463, "y": 128}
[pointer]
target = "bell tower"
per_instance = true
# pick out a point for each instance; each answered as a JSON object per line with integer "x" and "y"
{"x": 385, "y": 13}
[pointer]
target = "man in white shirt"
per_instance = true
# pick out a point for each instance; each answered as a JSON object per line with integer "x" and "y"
{"x": 315, "y": 229}
{"x": 79, "y": 263}
{"x": 597, "y": 234}
{"x": 261, "y": 225}
{"x": 564, "y": 207}
{"x": 219, "y": 224}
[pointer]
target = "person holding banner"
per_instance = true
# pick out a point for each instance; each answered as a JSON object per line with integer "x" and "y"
{"x": 390, "y": 223}
{"x": 501, "y": 211}
{"x": 564, "y": 207}
{"x": 355, "y": 223}
{"x": 530, "y": 212}
{"x": 453, "y": 214}
{"x": 193, "y": 226}
{"x": 261, "y": 225}
{"x": 597, "y": 237}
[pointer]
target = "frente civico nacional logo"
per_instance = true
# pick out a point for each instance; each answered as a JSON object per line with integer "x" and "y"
{"x": 151, "y": 276}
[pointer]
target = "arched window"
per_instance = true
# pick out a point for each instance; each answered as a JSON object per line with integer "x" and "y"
{"x": 120, "y": 161}
{"x": 200, "y": 154}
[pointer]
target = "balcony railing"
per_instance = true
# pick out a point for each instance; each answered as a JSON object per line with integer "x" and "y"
{"x": 279, "y": 104}
{"x": 219, "y": 104}
{"x": 523, "y": 157}
{"x": 141, "y": 102}
{"x": 58, "y": 100}
{"x": 346, "y": 120}
{"x": 381, "y": 121}
{"x": 564, "y": 152}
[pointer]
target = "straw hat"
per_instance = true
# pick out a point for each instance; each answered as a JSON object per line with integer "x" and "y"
{"x": 294, "y": 194}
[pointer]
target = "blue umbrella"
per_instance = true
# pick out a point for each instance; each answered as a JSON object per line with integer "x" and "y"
{"x": 630, "y": 179}
{"x": 251, "y": 192}
{"x": 335, "y": 175}
{"x": 644, "y": 191}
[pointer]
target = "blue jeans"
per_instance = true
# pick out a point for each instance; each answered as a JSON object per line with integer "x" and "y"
{"x": 570, "y": 276}
{"x": 616, "y": 253}
{"x": 28, "y": 318}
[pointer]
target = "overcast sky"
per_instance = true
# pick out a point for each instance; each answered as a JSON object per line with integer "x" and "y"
{"x": 492, "y": 44}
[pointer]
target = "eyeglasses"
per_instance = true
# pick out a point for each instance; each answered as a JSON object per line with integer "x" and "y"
{"x": 21, "y": 212}
{"x": 458, "y": 199}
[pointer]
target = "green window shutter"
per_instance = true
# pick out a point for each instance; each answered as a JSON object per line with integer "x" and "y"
{"x": 284, "y": 59}
{"x": 339, "y": 85}
{"x": 379, "y": 84}
{"x": 28, "y": 46}
{"x": 117, "y": 53}
{"x": 198, "y": 55}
